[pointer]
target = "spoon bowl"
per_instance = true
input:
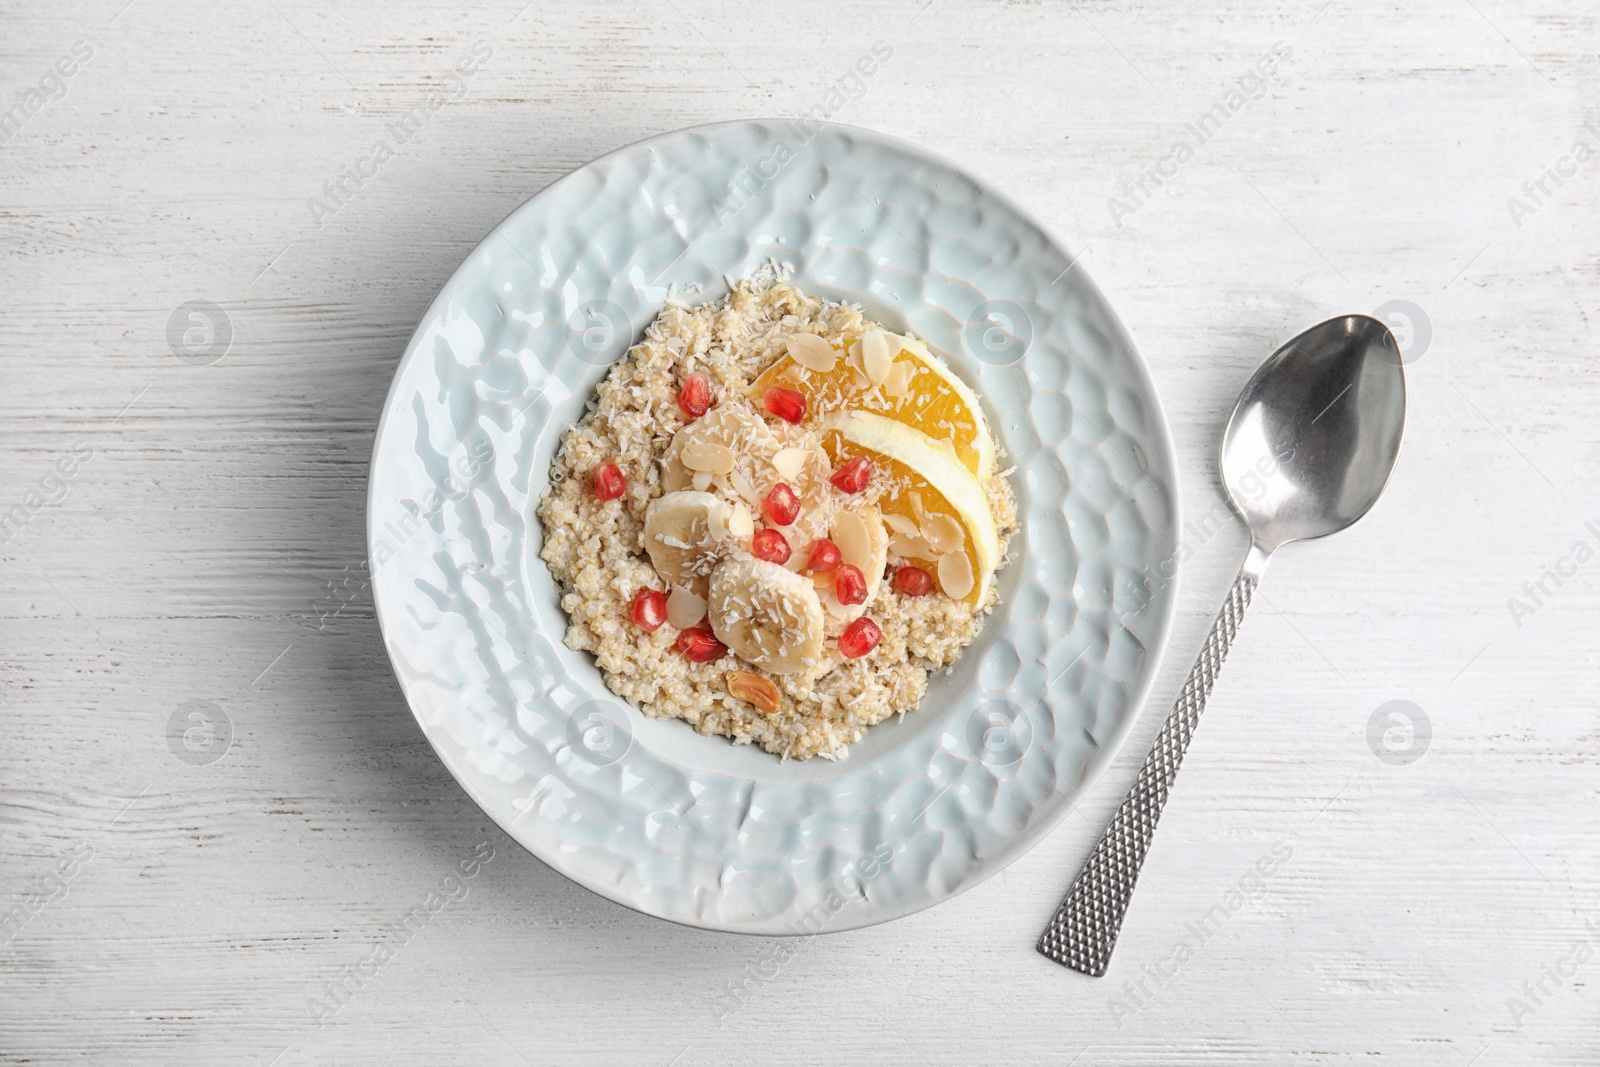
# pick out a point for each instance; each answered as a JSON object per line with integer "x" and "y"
{"x": 1316, "y": 432}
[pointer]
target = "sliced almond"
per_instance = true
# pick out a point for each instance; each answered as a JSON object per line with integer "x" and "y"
{"x": 850, "y": 533}
{"x": 684, "y": 608}
{"x": 740, "y": 522}
{"x": 707, "y": 456}
{"x": 903, "y": 525}
{"x": 917, "y": 509}
{"x": 789, "y": 462}
{"x": 899, "y": 380}
{"x": 912, "y": 548}
{"x": 944, "y": 533}
{"x": 876, "y": 356}
{"x": 702, "y": 480}
{"x": 811, "y": 352}
{"x": 753, "y": 688}
{"x": 955, "y": 575}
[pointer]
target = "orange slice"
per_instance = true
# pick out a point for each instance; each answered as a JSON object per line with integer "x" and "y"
{"x": 889, "y": 375}
{"x": 924, "y": 481}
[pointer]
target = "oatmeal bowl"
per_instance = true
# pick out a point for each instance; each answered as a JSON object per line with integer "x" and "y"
{"x": 772, "y": 529}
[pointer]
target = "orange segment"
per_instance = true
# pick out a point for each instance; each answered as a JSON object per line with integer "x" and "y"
{"x": 916, "y": 478}
{"x": 919, "y": 391}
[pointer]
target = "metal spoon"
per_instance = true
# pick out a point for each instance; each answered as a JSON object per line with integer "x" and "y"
{"x": 1311, "y": 444}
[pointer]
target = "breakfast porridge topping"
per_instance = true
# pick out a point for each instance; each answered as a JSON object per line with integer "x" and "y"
{"x": 770, "y": 545}
{"x": 649, "y": 610}
{"x": 695, "y": 396}
{"x": 700, "y": 645}
{"x": 876, "y": 356}
{"x": 789, "y": 462}
{"x": 608, "y": 481}
{"x": 913, "y": 581}
{"x": 684, "y": 608}
{"x": 767, "y": 615}
{"x": 850, "y": 586}
{"x": 852, "y": 478}
{"x": 787, "y": 404}
{"x": 781, "y": 505}
{"x": 743, "y": 685}
{"x": 859, "y": 638}
{"x": 814, "y": 496}
{"x": 824, "y": 556}
{"x": 811, "y": 351}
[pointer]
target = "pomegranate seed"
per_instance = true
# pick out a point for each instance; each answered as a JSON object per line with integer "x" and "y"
{"x": 771, "y": 546}
{"x": 859, "y": 638}
{"x": 649, "y": 610}
{"x": 787, "y": 404}
{"x": 695, "y": 396}
{"x": 609, "y": 482}
{"x": 782, "y": 506}
{"x": 699, "y": 645}
{"x": 824, "y": 556}
{"x": 853, "y": 476}
{"x": 913, "y": 581}
{"x": 850, "y": 586}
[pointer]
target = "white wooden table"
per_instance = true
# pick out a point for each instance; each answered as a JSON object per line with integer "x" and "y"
{"x": 179, "y": 532}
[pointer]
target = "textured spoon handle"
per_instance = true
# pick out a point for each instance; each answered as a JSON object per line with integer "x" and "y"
{"x": 1084, "y": 929}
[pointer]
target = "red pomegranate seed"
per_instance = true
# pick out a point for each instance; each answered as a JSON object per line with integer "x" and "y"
{"x": 853, "y": 476}
{"x": 609, "y": 482}
{"x": 859, "y": 638}
{"x": 649, "y": 610}
{"x": 695, "y": 396}
{"x": 771, "y": 546}
{"x": 787, "y": 404}
{"x": 824, "y": 556}
{"x": 699, "y": 645}
{"x": 782, "y": 506}
{"x": 850, "y": 586}
{"x": 913, "y": 581}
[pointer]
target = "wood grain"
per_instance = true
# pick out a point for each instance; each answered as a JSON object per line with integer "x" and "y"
{"x": 191, "y": 555}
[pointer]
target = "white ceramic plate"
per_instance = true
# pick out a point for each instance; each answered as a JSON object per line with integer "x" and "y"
{"x": 647, "y": 812}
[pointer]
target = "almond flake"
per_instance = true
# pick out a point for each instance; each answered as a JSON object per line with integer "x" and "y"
{"x": 789, "y": 462}
{"x": 702, "y": 480}
{"x": 876, "y": 356}
{"x": 899, "y": 379}
{"x": 900, "y": 524}
{"x": 740, "y": 522}
{"x": 811, "y": 352}
{"x": 955, "y": 575}
{"x": 684, "y": 608}
{"x": 912, "y": 548}
{"x": 944, "y": 533}
{"x": 854, "y": 538}
{"x": 707, "y": 456}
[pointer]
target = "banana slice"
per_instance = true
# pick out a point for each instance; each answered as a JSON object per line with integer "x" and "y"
{"x": 686, "y": 535}
{"x": 863, "y": 542}
{"x": 733, "y": 427}
{"x": 768, "y": 616}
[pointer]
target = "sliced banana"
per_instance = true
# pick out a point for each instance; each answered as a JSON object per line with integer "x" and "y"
{"x": 863, "y": 542}
{"x": 729, "y": 440}
{"x": 770, "y": 617}
{"x": 686, "y": 536}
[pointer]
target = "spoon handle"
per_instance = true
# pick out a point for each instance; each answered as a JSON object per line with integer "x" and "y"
{"x": 1084, "y": 929}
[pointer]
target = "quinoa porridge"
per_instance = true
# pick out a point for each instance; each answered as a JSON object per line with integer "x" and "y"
{"x": 775, "y": 519}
